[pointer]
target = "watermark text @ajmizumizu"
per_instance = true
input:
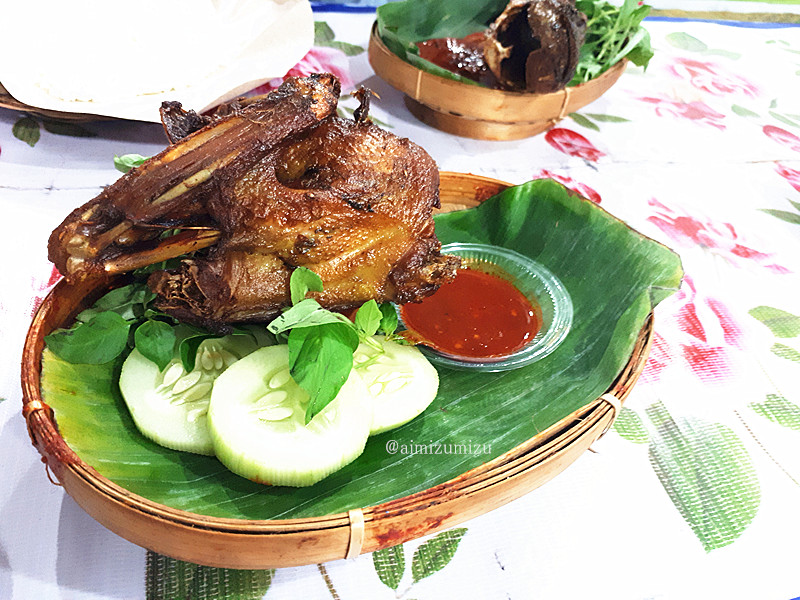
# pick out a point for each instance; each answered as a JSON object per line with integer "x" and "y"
{"x": 435, "y": 447}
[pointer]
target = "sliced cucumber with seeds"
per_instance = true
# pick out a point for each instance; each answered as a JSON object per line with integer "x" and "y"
{"x": 170, "y": 406}
{"x": 257, "y": 423}
{"x": 400, "y": 381}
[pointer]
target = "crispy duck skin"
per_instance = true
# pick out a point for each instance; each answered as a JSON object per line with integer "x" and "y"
{"x": 285, "y": 183}
{"x": 345, "y": 199}
{"x": 172, "y": 188}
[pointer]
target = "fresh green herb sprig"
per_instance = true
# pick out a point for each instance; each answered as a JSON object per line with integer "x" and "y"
{"x": 124, "y": 319}
{"x": 126, "y": 162}
{"x": 612, "y": 33}
{"x": 321, "y": 342}
{"x": 107, "y": 329}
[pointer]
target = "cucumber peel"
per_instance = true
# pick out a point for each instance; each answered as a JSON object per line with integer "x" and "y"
{"x": 399, "y": 379}
{"x": 242, "y": 405}
{"x": 170, "y": 406}
{"x": 256, "y": 420}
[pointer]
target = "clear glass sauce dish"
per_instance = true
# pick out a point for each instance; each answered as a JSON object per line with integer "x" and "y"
{"x": 549, "y": 302}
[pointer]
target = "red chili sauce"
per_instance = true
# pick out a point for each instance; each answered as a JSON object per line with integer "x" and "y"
{"x": 477, "y": 315}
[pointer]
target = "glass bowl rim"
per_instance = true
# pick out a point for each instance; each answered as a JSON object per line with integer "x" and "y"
{"x": 545, "y": 342}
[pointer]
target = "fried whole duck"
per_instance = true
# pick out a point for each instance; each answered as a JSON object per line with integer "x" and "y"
{"x": 269, "y": 185}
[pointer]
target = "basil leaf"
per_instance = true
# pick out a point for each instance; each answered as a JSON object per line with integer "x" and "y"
{"x": 306, "y": 313}
{"x": 258, "y": 333}
{"x": 155, "y": 340}
{"x": 322, "y": 33}
{"x": 129, "y": 301}
{"x": 320, "y": 361}
{"x": 301, "y": 282}
{"x": 368, "y": 319}
{"x": 188, "y": 349}
{"x": 96, "y": 341}
{"x": 389, "y": 319}
{"x": 126, "y": 162}
{"x": 27, "y": 130}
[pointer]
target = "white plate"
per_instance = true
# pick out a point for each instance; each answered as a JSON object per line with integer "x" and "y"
{"x": 122, "y": 60}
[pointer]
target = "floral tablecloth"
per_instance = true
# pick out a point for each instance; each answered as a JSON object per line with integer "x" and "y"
{"x": 694, "y": 493}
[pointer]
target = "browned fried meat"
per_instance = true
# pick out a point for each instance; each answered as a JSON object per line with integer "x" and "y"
{"x": 534, "y": 45}
{"x": 278, "y": 183}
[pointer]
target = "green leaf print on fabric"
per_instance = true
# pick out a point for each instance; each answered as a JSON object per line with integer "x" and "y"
{"x": 784, "y": 351}
{"x": 784, "y": 118}
{"x": 433, "y": 555}
{"x": 171, "y": 579}
{"x": 430, "y": 557}
{"x": 588, "y": 119}
{"x": 782, "y": 324}
{"x": 607, "y": 118}
{"x": 779, "y": 410}
{"x": 584, "y": 121}
{"x": 783, "y": 215}
{"x": 742, "y": 111}
{"x": 27, "y": 130}
{"x": 629, "y": 426}
{"x": 324, "y": 36}
{"x": 707, "y": 474}
{"x": 684, "y": 41}
{"x": 390, "y": 563}
{"x": 723, "y": 53}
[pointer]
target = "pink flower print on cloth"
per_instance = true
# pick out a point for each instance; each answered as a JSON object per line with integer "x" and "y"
{"x": 40, "y": 288}
{"x": 580, "y": 188}
{"x": 701, "y": 333}
{"x": 718, "y": 238}
{"x": 573, "y": 144}
{"x": 783, "y": 137}
{"x": 660, "y": 358}
{"x": 692, "y": 111}
{"x": 789, "y": 174}
{"x": 712, "y": 78}
{"x": 318, "y": 60}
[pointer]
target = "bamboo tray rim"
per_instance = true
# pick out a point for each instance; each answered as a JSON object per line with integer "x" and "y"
{"x": 40, "y": 418}
{"x": 569, "y": 436}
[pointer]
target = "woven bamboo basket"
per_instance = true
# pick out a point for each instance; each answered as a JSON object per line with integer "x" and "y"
{"x": 479, "y": 112}
{"x": 247, "y": 544}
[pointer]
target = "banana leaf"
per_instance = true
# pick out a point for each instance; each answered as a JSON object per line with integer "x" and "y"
{"x": 614, "y": 275}
{"x": 402, "y": 24}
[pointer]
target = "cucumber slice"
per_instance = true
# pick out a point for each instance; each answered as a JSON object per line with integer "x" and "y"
{"x": 400, "y": 380}
{"x": 257, "y": 423}
{"x": 170, "y": 406}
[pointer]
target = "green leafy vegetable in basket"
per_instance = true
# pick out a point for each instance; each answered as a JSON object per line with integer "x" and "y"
{"x": 496, "y": 35}
{"x": 612, "y": 33}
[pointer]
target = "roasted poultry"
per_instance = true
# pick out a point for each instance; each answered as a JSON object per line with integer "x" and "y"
{"x": 271, "y": 184}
